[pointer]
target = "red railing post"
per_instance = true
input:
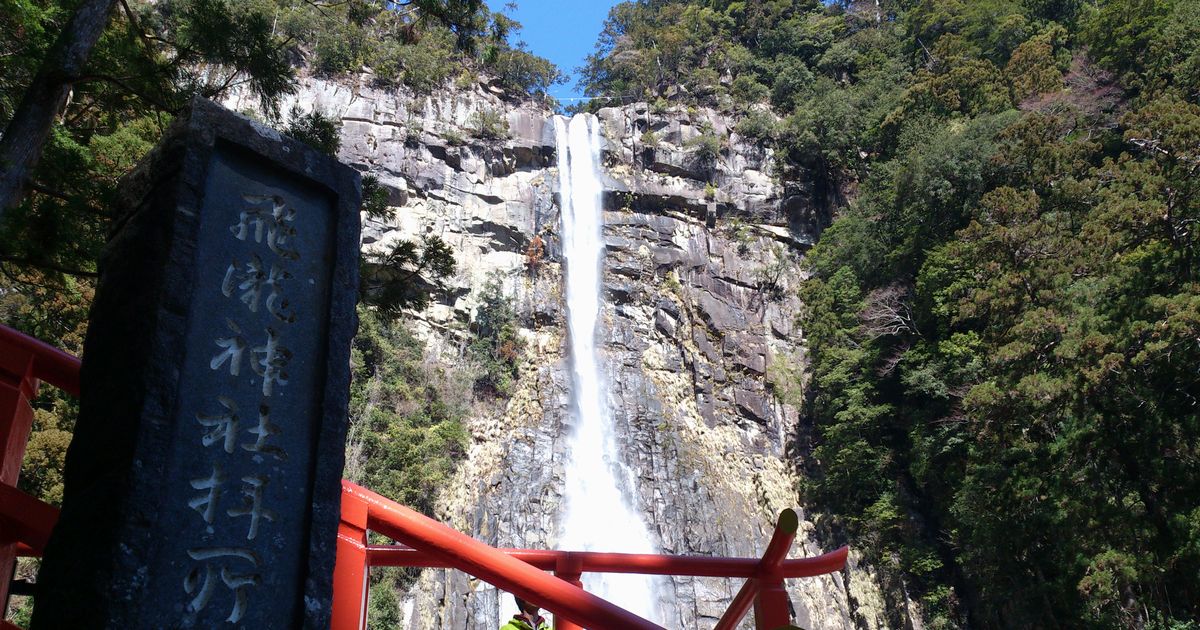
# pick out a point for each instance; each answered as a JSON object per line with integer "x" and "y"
{"x": 766, "y": 589}
{"x": 569, "y": 568}
{"x": 739, "y": 606}
{"x": 771, "y": 602}
{"x": 352, "y": 569}
{"x": 771, "y": 605}
{"x": 17, "y": 387}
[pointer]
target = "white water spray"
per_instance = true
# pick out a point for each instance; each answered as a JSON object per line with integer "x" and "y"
{"x": 598, "y": 515}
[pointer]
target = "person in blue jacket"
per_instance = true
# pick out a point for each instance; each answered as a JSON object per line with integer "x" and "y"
{"x": 527, "y": 617}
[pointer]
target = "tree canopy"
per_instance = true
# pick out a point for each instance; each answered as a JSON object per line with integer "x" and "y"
{"x": 153, "y": 57}
{"x": 1003, "y": 318}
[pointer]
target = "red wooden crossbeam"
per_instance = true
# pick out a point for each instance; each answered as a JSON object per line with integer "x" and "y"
{"x": 50, "y": 364}
{"x": 595, "y": 562}
{"x": 765, "y": 589}
{"x": 25, "y": 521}
{"x": 487, "y": 563}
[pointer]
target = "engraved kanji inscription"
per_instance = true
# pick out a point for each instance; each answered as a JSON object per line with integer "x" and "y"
{"x": 263, "y": 432}
{"x": 252, "y": 506}
{"x": 269, "y": 361}
{"x": 270, "y": 216}
{"x": 224, "y": 425}
{"x": 206, "y": 503}
{"x": 252, "y": 280}
{"x": 232, "y": 349}
{"x": 236, "y": 568}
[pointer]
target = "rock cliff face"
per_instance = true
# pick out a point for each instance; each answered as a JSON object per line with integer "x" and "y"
{"x": 698, "y": 334}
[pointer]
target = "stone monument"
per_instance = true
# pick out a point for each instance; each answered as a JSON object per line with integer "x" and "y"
{"x": 202, "y": 488}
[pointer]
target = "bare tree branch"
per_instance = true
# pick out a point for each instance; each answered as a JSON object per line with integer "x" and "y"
{"x": 888, "y": 313}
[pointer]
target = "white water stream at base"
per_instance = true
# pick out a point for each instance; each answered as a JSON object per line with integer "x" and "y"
{"x": 599, "y": 490}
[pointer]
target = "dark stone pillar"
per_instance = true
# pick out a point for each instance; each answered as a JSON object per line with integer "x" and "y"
{"x": 202, "y": 487}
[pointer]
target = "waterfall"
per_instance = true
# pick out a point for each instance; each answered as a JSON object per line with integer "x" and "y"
{"x": 599, "y": 487}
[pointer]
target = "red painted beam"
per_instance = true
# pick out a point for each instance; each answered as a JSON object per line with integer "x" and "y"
{"x": 781, "y": 541}
{"x": 595, "y": 562}
{"x": 26, "y": 360}
{"x": 739, "y": 606}
{"x": 24, "y": 519}
{"x": 768, "y": 578}
{"x": 771, "y": 600}
{"x": 351, "y": 570}
{"x": 493, "y": 566}
{"x": 49, "y": 363}
{"x": 18, "y": 386}
{"x": 569, "y": 568}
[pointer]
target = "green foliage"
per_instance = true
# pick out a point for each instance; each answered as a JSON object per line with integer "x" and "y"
{"x": 769, "y": 278}
{"x": 383, "y": 603}
{"x": 707, "y": 146}
{"x": 495, "y": 345}
{"x": 521, "y": 71}
{"x": 405, "y": 276}
{"x": 757, "y": 124}
{"x": 212, "y": 43}
{"x": 155, "y": 56}
{"x": 1036, "y": 66}
{"x": 995, "y": 395}
{"x": 489, "y": 124}
{"x": 1151, "y": 44}
{"x": 644, "y": 48}
{"x": 150, "y": 61}
{"x": 27, "y": 29}
{"x": 374, "y": 198}
{"x": 1120, "y": 33}
{"x": 747, "y": 90}
{"x": 316, "y": 129}
{"x": 406, "y": 434}
{"x": 423, "y": 65}
{"x": 423, "y": 48}
{"x": 53, "y": 421}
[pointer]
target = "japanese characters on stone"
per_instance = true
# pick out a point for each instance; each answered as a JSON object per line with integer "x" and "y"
{"x": 254, "y": 348}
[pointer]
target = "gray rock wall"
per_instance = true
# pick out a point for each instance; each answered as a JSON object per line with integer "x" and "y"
{"x": 698, "y": 338}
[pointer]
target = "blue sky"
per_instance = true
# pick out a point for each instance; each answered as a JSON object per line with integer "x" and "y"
{"x": 563, "y": 31}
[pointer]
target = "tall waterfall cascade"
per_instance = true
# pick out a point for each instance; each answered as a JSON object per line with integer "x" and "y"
{"x": 599, "y": 487}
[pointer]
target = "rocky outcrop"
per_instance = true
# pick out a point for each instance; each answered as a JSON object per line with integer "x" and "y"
{"x": 702, "y": 254}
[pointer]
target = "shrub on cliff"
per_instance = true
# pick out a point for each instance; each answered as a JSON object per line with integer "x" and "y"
{"x": 495, "y": 345}
{"x": 489, "y": 124}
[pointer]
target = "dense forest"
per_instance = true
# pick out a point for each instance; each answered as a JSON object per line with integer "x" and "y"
{"x": 1003, "y": 314}
{"x": 1004, "y": 317}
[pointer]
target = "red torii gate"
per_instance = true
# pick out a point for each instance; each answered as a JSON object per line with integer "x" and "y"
{"x": 25, "y": 524}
